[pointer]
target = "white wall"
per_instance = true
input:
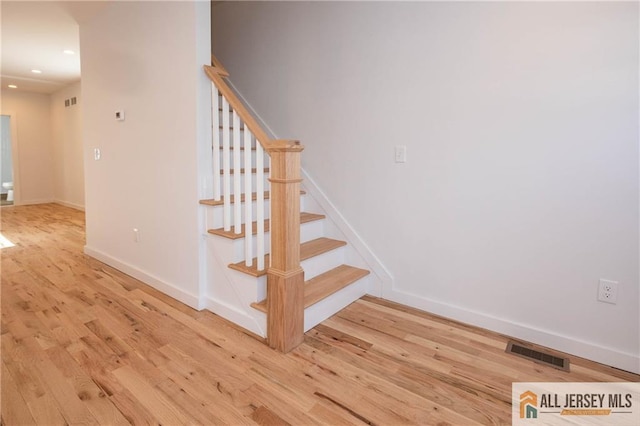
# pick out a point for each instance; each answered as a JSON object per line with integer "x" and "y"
{"x": 146, "y": 58}
{"x": 66, "y": 135}
{"x": 31, "y": 116}
{"x": 521, "y": 126}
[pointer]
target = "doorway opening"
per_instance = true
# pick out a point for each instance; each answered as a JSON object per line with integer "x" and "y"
{"x": 6, "y": 162}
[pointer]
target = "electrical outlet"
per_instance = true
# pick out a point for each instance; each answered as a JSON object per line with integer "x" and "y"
{"x": 608, "y": 291}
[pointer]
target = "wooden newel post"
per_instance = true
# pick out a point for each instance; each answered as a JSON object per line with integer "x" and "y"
{"x": 285, "y": 277}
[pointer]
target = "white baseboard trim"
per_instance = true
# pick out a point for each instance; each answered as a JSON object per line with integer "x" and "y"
{"x": 234, "y": 315}
{"x": 22, "y": 202}
{"x": 568, "y": 344}
{"x": 71, "y": 205}
{"x": 166, "y": 288}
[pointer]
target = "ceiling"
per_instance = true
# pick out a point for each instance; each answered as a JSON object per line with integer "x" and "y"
{"x": 35, "y": 36}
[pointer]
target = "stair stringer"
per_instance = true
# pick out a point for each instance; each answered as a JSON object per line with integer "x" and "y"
{"x": 358, "y": 253}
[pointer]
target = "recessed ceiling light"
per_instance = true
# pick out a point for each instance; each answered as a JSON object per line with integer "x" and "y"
{"x": 12, "y": 86}
{"x": 68, "y": 52}
{"x": 36, "y": 71}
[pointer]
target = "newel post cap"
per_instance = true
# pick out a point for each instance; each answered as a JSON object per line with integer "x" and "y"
{"x": 285, "y": 145}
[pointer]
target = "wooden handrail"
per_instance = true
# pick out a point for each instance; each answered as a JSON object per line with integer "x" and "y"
{"x": 219, "y": 68}
{"x": 238, "y": 106}
{"x": 285, "y": 277}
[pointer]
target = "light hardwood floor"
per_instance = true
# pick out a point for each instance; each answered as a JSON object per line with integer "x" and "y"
{"x": 85, "y": 344}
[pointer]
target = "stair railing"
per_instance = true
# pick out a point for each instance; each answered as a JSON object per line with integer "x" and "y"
{"x": 285, "y": 277}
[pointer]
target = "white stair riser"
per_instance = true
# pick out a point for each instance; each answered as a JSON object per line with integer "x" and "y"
{"x": 234, "y": 249}
{"x": 242, "y": 163}
{"x": 215, "y": 214}
{"x": 253, "y": 143}
{"x": 215, "y": 217}
{"x": 231, "y": 250}
{"x": 322, "y": 263}
{"x": 238, "y": 247}
{"x": 308, "y": 231}
{"x": 265, "y": 181}
{"x": 339, "y": 300}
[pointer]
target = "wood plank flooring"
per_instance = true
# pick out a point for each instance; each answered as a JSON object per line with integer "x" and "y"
{"x": 82, "y": 343}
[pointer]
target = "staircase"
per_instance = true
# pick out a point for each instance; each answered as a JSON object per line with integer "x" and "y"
{"x": 273, "y": 268}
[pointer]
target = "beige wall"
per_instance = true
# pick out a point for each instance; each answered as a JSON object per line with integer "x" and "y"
{"x": 31, "y": 115}
{"x": 66, "y": 133}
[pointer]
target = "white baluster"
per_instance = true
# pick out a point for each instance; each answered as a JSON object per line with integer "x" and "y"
{"x": 260, "y": 204}
{"x": 267, "y": 165}
{"x": 215, "y": 119}
{"x": 226, "y": 160}
{"x": 237, "y": 176}
{"x": 248, "y": 237}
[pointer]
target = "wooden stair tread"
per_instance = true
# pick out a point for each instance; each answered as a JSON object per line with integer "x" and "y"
{"x": 253, "y": 148}
{"x": 253, "y": 170}
{"x": 324, "y": 285}
{"x": 308, "y": 250}
{"x": 211, "y": 202}
{"x": 304, "y": 218}
{"x": 231, "y": 128}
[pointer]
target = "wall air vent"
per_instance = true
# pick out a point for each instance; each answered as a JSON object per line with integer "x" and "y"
{"x": 561, "y": 363}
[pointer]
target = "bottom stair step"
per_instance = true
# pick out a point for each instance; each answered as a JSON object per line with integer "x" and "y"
{"x": 324, "y": 285}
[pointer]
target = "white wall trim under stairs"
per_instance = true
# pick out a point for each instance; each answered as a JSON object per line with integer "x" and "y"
{"x": 220, "y": 276}
{"x": 188, "y": 299}
{"x": 23, "y": 202}
{"x": 568, "y": 344}
{"x": 71, "y": 205}
{"x": 382, "y": 278}
{"x": 233, "y": 314}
